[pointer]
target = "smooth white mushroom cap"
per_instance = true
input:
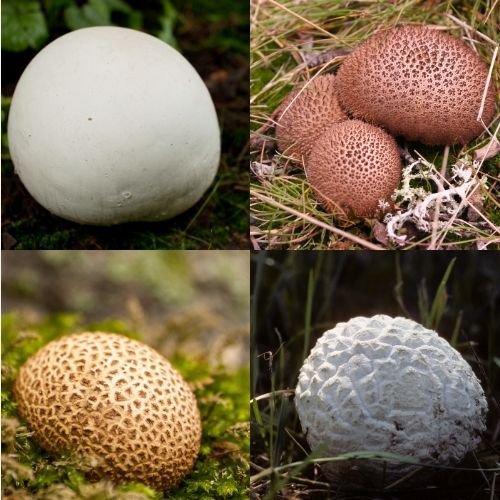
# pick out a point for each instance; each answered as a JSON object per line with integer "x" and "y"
{"x": 389, "y": 384}
{"x": 111, "y": 125}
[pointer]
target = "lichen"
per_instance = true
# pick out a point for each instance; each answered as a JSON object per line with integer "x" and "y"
{"x": 448, "y": 195}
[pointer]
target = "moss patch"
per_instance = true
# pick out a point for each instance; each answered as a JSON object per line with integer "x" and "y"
{"x": 221, "y": 470}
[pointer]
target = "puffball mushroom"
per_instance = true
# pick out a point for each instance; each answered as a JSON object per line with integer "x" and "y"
{"x": 354, "y": 166}
{"x": 388, "y": 384}
{"x": 110, "y": 125}
{"x": 114, "y": 401}
{"x": 417, "y": 82}
{"x": 305, "y": 114}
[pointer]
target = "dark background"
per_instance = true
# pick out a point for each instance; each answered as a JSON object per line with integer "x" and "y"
{"x": 348, "y": 284}
{"x": 214, "y": 37}
{"x": 363, "y": 284}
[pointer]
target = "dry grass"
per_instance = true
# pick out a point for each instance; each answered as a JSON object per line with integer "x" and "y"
{"x": 291, "y": 42}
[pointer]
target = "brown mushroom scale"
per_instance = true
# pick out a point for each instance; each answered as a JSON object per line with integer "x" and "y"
{"x": 356, "y": 167}
{"x": 417, "y": 82}
{"x": 114, "y": 401}
{"x": 305, "y": 114}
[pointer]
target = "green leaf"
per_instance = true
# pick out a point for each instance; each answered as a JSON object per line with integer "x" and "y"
{"x": 98, "y": 13}
{"x": 168, "y": 22}
{"x": 23, "y": 25}
{"x": 440, "y": 299}
{"x": 93, "y": 13}
{"x": 54, "y": 10}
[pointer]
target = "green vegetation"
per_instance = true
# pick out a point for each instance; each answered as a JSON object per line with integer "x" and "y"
{"x": 221, "y": 470}
{"x": 214, "y": 38}
{"x": 296, "y": 296}
{"x": 291, "y": 42}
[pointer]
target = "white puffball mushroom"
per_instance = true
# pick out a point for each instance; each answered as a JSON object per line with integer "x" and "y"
{"x": 110, "y": 125}
{"x": 388, "y": 384}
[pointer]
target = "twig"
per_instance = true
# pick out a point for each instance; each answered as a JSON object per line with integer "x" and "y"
{"x": 490, "y": 11}
{"x": 283, "y": 392}
{"x": 437, "y": 206}
{"x": 312, "y": 220}
{"x": 255, "y": 245}
{"x": 486, "y": 87}
{"x": 255, "y": 15}
{"x": 275, "y": 242}
{"x": 286, "y": 9}
{"x": 492, "y": 496}
{"x": 313, "y": 60}
{"x": 466, "y": 26}
{"x": 489, "y": 151}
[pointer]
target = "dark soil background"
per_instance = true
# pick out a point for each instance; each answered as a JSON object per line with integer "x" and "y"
{"x": 348, "y": 284}
{"x": 214, "y": 37}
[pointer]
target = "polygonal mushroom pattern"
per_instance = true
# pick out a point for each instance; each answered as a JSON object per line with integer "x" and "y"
{"x": 388, "y": 384}
{"x": 356, "y": 167}
{"x": 114, "y": 401}
{"x": 305, "y": 114}
{"x": 418, "y": 82}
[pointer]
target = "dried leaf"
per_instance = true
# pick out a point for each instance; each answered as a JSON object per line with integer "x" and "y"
{"x": 476, "y": 201}
{"x": 8, "y": 241}
{"x": 380, "y": 233}
{"x": 489, "y": 151}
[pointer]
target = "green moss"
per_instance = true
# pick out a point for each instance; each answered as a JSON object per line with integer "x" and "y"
{"x": 221, "y": 470}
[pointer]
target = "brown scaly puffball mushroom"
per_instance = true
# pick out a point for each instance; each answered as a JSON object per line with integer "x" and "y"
{"x": 354, "y": 166}
{"x": 417, "y": 82}
{"x": 114, "y": 401}
{"x": 305, "y": 114}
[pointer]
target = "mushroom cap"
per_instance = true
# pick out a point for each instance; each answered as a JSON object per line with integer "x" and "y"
{"x": 305, "y": 114}
{"x": 417, "y": 82}
{"x": 354, "y": 166}
{"x": 111, "y": 125}
{"x": 388, "y": 384}
{"x": 116, "y": 402}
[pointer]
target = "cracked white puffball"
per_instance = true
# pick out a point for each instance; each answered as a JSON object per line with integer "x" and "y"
{"x": 392, "y": 385}
{"x": 110, "y": 125}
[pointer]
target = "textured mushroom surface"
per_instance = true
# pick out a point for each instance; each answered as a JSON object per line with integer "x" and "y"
{"x": 116, "y": 402}
{"x": 388, "y": 384}
{"x": 305, "y": 114}
{"x": 354, "y": 166}
{"x": 417, "y": 82}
